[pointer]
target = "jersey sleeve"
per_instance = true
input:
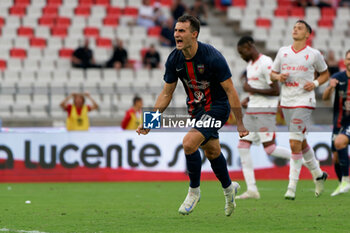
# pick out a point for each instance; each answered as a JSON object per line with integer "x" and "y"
{"x": 170, "y": 74}
{"x": 221, "y": 68}
{"x": 266, "y": 70}
{"x": 320, "y": 64}
{"x": 276, "y": 66}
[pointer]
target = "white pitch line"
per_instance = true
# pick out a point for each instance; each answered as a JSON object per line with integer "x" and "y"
{"x": 20, "y": 231}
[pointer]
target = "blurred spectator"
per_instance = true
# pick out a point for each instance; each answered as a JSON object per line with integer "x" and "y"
{"x": 166, "y": 37}
{"x": 178, "y": 9}
{"x": 159, "y": 17}
{"x": 199, "y": 10}
{"x": 324, "y": 3}
{"x": 133, "y": 117}
{"x": 119, "y": 57}
{"x": 152, "y": 58}
{"x": 304, "y": 3}
{"x": 77, "y": 118}
{"x": 146, "y": 15}
{"x": 344, "y": 3}
{"x": 83, "y": 57}
{"x": 332, "y": 63}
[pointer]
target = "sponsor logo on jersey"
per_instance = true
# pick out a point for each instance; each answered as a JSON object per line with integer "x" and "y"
{"x": 294, "y": 68}
{"x": 292, "y": 84}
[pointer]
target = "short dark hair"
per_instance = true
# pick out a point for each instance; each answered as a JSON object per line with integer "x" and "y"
{"x": 244, "y": 40}
{"x": 194, "y": 22}
{"x": 136, "y": 99}
{"x": 308, "y": 27}
{"x": 347, "y": 52}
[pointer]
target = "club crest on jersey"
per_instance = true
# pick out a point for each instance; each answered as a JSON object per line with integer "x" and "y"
{"x": 198, "y": 95}
{"x": 200, "y": 68}
{"x": 285, "y": 55}
{"x": 306, "y": 57}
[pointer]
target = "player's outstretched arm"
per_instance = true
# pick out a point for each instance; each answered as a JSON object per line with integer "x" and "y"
{"x": 161, "y": 104}
{"x": 235, "y": 105}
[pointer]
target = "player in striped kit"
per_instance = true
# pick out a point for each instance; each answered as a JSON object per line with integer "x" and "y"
{"x": 341, "y": 125}
{"x": 260, "y": 117}
{"x": 294, "y": 67}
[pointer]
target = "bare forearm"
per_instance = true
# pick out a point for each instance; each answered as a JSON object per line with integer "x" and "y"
{"x": 327, "y": 93}
{"x": 235, "y": 105}
{"x": 323, "y": 77}
{"x": 269, "y": 92}
{"x": 163, "y": 101}
{"x": 94, "y": 104}
{"x": 274, "y": 76}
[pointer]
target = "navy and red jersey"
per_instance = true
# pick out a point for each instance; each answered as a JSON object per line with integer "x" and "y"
{"x": 200, "y": 76}
{"x": 341, "y": 110}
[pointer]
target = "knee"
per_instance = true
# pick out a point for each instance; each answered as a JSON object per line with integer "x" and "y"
{"x": 295, "y": 146}
{"x": 339, "y": 144}
{"x": 189, "y": 148}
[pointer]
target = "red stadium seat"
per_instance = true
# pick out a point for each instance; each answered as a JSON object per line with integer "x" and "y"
{"x": 66, "y": 53}
{"x": 131, "y": 11}
{"x": 104, "y": 42}
{"x": 18, "y": 53}
{"x": 239, "y": 3}
{"x": 297, "y": 12}
{"x": 328, "y": 13}
{"x": 326, "y": 23}
{"x": 22, "y": 2}
{"x": 18, "y": 11}
{"x": 63, "y": 22}
{"x": 47, "y": 21}
{"x": 91, "y": 32}
{"x": 25, "y": 31}
{"x": 111, "y": 21}
{"x": 102, "y": 2}
{"x": 38, "y": 42}
{"x": 54, "y": 3}
{"x": 2, "y": 65}
{"x": 86, "y": 2}
{"x": 154, "y": 31}
{"x": 82, "y": 11}
{"x": 59, "y": 32}
{"x": 2, "y": 22}
{"x": 285, "y": 3}
{"x": 112, "y": 11}
{"x": 262, "y": 22}
{"x": 50, "y": 11}
{"x": 282, "y": 12}
{"x": 162, "y": 2}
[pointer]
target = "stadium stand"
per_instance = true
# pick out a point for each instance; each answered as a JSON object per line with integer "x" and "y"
{"x": 38, "y": 37}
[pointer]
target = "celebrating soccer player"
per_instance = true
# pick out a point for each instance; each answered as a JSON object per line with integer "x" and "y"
{"x": 295, "y": 67}
{"x": 260, "y": 117}
{"x": 341, "y": 125}
{"x": 206, "y": 78}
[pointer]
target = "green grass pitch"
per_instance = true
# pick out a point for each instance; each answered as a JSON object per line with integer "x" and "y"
{"x": 152, "y": 207}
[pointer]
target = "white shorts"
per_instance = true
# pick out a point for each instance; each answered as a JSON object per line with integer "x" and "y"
{"x": 262, "y": 127}
{"x": 298, "y": 121}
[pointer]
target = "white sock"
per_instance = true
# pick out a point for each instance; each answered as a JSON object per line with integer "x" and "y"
{"x": 278, "y": 151}
{"x": 228, "y": 189}
{"x": 294, "y": 171}
{"x": 345, "y": 179}
{"x": 311, "y": 162}
{"x": 195, "y": 191}
{"x": 247, "y": 168}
